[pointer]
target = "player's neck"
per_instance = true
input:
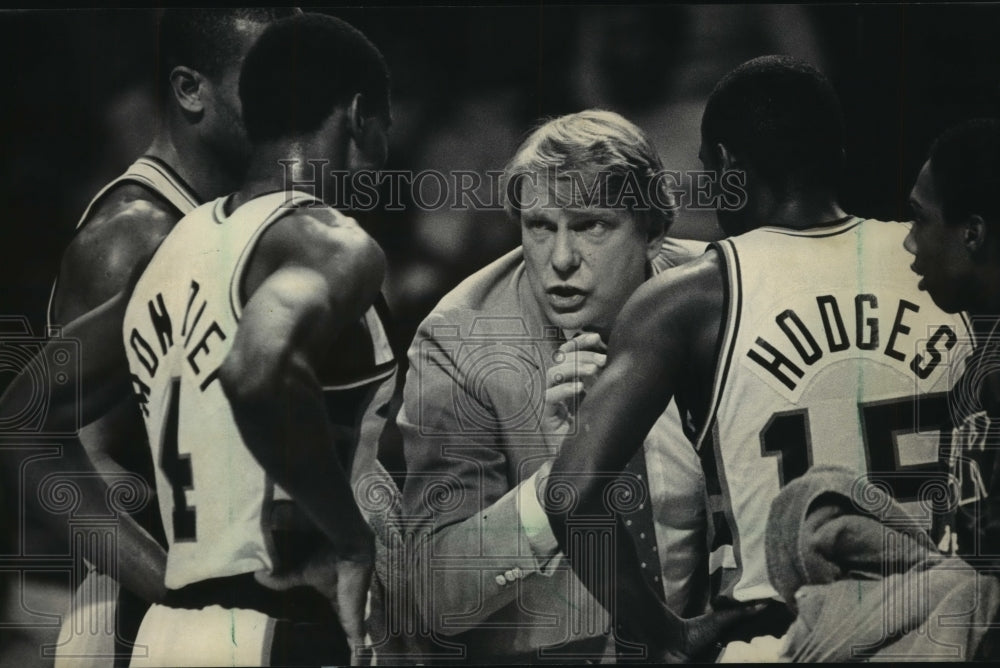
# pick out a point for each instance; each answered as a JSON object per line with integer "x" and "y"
{"x": 289, "y": 165}
{"x": 985, "y": 308}
{"x": 200, "y": 168}
{"x": 802, "y": 212}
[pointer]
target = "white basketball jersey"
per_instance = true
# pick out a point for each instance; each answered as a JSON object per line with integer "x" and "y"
{"x": 829, "y": 355}
{"x": 216, "y": 501}
{"x": 153, "y": 174}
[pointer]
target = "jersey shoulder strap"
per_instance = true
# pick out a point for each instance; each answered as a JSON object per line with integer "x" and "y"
{"x": 155, "y": 175}
{"x": 152, "y": 173}
{"x": 365, "y": 352}
{"x": 731, "y": 311}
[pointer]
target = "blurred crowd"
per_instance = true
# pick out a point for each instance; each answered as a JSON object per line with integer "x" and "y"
{"x": 468, "y": 84}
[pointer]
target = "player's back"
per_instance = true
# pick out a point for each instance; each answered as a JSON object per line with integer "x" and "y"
{"x": 826, "y": 342}
{"x": 216, "y": 501}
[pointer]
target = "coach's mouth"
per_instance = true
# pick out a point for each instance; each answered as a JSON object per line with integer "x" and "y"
{"x": 920, "y": 283}
{"x": 566, "y": 297}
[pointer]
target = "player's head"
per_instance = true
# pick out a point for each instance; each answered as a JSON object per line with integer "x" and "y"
{"x": 200, "y": 55}
{"x": 955, "y": 233}
{"x": 778, "y": 120}
{"x": 589, "y": 193}
{"x": 315, "y": 74}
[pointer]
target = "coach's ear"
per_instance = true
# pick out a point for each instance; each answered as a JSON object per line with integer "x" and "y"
{"x": 187, "y": 87}
{"x": 656, "y": 232}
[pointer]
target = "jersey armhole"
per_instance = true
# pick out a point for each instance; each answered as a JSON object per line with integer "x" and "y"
{"x": 128, "y": 178}
{"x": 237, "y": 293}
{"x": 732, "y": 304}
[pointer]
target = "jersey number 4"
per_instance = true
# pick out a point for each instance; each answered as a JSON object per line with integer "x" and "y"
{"x": 788, "y": 437}
{"x": 177, "y": 468}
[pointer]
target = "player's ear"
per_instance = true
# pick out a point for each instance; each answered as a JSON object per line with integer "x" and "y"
{"x": 187, "y": 87}
{"x": 725, "y": 158}
{"x": 974, "y": 233}
{"x": 357, "y": 117}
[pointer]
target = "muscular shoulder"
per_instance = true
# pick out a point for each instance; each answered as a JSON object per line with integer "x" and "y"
{"x": 320, "y": 239}
{"x": 120, "y": 233}
{"x": 670, "y": 327}
{"x": 681, "y": 297}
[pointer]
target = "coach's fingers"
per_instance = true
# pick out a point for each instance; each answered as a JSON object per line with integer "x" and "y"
{"x": 585, "y": 341}
{"x": 560, "y": 394}
{"x": 576, "y": 366}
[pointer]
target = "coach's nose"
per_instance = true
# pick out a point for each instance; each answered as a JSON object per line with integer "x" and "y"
{"x": 565, "y": 257}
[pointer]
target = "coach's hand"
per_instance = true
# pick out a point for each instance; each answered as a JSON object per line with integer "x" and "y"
{"x": 578, "y": 362}
{"x": 344, "y": 582}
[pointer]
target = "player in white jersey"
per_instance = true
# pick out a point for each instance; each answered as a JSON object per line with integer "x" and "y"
{"x": 253, "y": 305}
{"x": 199, "y": 151}
{"x": 954, "y": 238}
{"x": 797, "y": 342}
{"x": 849, "y": 364}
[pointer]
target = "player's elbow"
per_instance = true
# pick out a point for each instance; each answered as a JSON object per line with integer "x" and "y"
{"x": 249, "y": 381}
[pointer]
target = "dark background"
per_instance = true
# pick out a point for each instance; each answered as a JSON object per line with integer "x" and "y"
{"x": 468, "y": 83}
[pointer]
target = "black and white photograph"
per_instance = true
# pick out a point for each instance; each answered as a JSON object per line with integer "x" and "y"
{"x": 427, "y": 334}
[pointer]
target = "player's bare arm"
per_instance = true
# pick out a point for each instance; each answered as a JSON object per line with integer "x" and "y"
{"x": 327, "y": 276}
{"x": 664, "y": 337}
{"x": 328, "y": 273}
{"x": 122, "y": 233}
{"x": 128, "y": 225}
{"x": 104, "y": 381}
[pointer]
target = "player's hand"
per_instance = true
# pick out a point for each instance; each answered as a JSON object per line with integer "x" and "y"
{"x": 578, "y": 362}
{"x": 702, "y": 632}
{"x": 344, "y": 582}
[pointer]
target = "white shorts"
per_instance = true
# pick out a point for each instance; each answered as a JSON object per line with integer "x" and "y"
{"x": 213, "y": 636}
{"x": 249, "y": 626}
{"x": 87, "y": 635}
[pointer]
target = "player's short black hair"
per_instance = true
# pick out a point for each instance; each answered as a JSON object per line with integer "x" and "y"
{"x": 205, "y": 39}
{"x": 301, "y": 68}
{"x": 783, "y": 116}
{"x": 965, "y": 169}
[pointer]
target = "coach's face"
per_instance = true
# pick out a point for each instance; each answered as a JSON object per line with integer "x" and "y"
{"x": 582, "y": 262}
{"x": 941, "y": 259}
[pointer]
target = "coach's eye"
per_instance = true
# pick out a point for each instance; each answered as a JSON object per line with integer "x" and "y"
{"x": 595, "y": 228}
{"x": 538, "y": 228}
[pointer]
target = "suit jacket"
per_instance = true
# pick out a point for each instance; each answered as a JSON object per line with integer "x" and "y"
{"x": 472, "y": 427}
